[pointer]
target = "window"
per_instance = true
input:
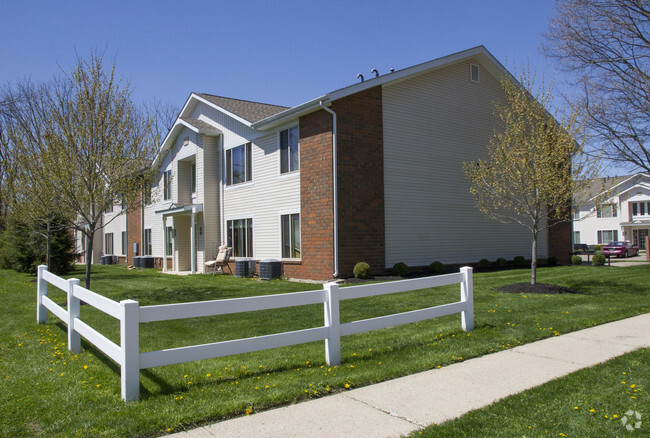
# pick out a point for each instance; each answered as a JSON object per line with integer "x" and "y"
{"x": 193, "y": 178}
{"x": 290, "y": 236}
{"x": 238, "y": 164}
{"x": 606, "y": 236}
{"x": 167, "y": 185}
{"x": 108, "y": 243}
{"x": 289, "y": 150}
{"x": 240, "y": 237}
{"x": 170, "y": 241}
{"x": 607, "y": 210}
{"x": 474, "y": 73}
{"x": 109, "y": 208}
{"x": 638, "y": 209}
{"x": 147, "y": 242}
{"x": 124, "y": 241}
{"x": 576, "y": 237}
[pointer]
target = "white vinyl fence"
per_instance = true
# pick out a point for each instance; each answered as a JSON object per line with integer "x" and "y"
{"x": 130, "y": 315}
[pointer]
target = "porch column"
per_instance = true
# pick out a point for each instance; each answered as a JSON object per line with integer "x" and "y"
{"x": 164, "y": 243}
{"x": 192, "y": 243}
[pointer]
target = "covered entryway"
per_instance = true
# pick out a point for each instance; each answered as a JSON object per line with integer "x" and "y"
{"x": 184, "y": 226}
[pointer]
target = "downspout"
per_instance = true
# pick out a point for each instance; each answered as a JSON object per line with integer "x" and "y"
{"x": 222, "y": 181}
{"x": 334, "y": 188}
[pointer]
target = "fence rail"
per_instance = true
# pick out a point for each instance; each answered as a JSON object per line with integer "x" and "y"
{"x": 131, "y": 315}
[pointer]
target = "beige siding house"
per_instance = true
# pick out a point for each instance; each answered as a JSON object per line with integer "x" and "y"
{"x": 371, "y": 172}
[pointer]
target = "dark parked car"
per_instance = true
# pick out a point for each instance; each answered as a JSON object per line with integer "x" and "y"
{"x": 620, "y": 249}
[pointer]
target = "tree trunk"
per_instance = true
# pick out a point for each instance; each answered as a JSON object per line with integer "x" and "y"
{"x": 89, "y": 256}
{"x": 533, "y": 261}
{"x": 48, "y": 230}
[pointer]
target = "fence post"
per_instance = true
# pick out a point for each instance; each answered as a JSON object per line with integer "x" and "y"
{"x": 333, "y": 322}
{"x": 74, "y": 339}
{"x": 467, "y": 296}
{"x": 130, "y": 347}
{"x": 41, "y": 291}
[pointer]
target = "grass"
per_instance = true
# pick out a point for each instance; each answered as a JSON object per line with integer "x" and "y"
{"x": 50, "y": 392}
{"x": 589, "y": 403}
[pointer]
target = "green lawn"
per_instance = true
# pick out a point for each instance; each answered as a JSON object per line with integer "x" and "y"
{"x": 589, "y": 403}
{"x": 50, "y": 392}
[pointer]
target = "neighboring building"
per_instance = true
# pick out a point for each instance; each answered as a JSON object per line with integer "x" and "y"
{"x": 383, "y": 184}
{"x": 624, "y": 215}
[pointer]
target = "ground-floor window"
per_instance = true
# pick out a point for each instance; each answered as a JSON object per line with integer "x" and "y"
{"x": 240, "y": 237}
{"x": 147, "y": 247}
{"x": 291, "y": 236}
{"x": 639, "y": 237}
{"x": 606, "y": 236}
{"x": 170, "y": 241}
{"x": 124, "y": 241}
{"x": 576, "y": 237}
{"x": 108, "y": 243}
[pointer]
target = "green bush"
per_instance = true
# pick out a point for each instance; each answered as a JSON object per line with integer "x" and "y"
{"x": 598, "y": 260}
{"x": 576, "y": 259}
{"x": 502, "y": 263}
{"x": 596, "y": 247}
{"x": 361, "y": 270}
{"x": 519, "y": 262}
{"x": 484, "y": 264}
{"x": 400, "y": 269}
{"x": 542, "y": 262}
{"x": 437, "y": 268}
{"x": 552, "y": 261}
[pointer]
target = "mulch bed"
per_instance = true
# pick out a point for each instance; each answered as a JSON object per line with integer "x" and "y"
{"x": 539, "y": 288}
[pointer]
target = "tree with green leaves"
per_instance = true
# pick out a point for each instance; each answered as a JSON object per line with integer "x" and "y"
{"x": 84, "y": 145}
{"x": 535, "y": 164}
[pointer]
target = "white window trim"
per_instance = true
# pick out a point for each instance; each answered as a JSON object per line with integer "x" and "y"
{"x": 478, "y": 73}
{"x": 225, "y": 166}
{"x": 286, "y": 213}
{"x": 144, "y": 241}
{"x": 290, "y": 172}
{"x": 240, "y": 217}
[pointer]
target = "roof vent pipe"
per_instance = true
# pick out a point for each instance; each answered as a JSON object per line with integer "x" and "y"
{"x": 335, "y": 189}
{"x": 392, "y": 69}
{"x": 360, "y": 76}
{"x": 374, "y": 70}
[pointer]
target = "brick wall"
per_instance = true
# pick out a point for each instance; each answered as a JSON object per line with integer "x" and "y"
{"x": 133, "y": 230}
{"x": 316, "y": 199}
{"x": 361, "y": 181}
{"x": 360, "y": 188}
{"x": 559, "y": 242}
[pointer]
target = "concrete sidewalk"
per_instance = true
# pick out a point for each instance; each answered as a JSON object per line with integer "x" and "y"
{"x": 399, "y": 406}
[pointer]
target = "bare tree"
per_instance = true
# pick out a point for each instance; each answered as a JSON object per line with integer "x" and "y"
{"x": 88, "y": 146}
{"x": 606, "y": 43}
{"x": 535, "y": 163}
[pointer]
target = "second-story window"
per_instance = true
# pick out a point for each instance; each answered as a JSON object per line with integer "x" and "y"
{"x": 607, "y": 210}
{"x": 167, "y": 185}
{"x": 289, "y": 150}
{"x": 238, "y": 164}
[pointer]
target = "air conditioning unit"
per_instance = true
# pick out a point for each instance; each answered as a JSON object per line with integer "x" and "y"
{"x": 244, "y": 267}
{"x": 270, "y": 269}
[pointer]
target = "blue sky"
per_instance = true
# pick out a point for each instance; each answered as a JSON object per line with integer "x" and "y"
{"x": 279, "y": 52}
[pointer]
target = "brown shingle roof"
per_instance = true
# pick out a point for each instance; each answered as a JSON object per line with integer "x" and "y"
{"x": 251, "y": 111}
{"x": 198, "y": 124}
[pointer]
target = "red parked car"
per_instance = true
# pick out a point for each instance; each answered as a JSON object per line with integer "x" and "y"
{"x": 620, "y": 249}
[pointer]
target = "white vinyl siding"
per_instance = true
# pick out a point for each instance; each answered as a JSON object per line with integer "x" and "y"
{"x": 432, "y": 124}
{"x": 265, "y": 199}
